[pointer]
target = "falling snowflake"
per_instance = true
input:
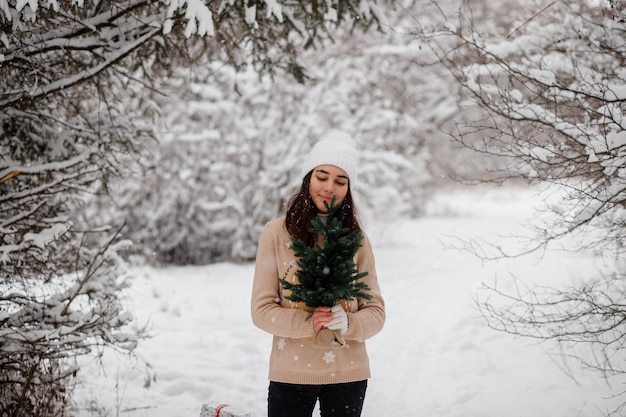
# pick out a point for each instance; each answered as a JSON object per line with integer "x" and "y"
{"x": 329, "y": 357}
{"x": 281, "y": 343}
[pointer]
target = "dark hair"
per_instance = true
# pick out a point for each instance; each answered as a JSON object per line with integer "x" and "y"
{"x": 301, "y": 211}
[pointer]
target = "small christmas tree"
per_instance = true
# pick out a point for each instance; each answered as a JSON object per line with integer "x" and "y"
{"x": 327, "y": 273}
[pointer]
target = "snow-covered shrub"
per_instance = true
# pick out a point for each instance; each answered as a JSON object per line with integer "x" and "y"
{"x": 59, "y": 283}
{"x": 229, "y": 159}
{"x": 231, "y": 141}
{"x": 553, "y": 118}
{"x": 552, "y": 102}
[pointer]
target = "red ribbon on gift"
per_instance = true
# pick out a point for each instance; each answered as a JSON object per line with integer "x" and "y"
{"x": 219, "y": 409}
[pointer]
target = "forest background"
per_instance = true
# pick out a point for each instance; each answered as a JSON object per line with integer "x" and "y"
{"x": 136, "y": 133}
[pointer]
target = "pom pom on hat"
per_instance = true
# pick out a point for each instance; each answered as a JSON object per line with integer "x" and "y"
{"x": 334, "y": 148}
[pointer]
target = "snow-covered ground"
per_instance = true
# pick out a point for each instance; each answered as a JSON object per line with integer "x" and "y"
{"x": 435, "y": 356}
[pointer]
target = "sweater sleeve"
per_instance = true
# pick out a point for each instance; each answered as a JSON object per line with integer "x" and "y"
{"x": 369, "y": 319}
{"x": 267, "y": 313}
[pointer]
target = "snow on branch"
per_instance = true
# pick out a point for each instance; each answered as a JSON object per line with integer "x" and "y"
{"x": 50, "y": 166}
{"x": 84, "y": 74}
{"x": 197, "y": 14}
{"x": 199, "y": 17}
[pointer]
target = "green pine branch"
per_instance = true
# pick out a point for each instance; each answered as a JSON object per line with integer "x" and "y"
{"x": 327, "y": 273}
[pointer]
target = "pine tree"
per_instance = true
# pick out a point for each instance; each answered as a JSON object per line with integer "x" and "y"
{"x": 327, "y": 272}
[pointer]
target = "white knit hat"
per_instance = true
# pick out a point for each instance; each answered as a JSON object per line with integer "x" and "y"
{"x": 334, "y": 148}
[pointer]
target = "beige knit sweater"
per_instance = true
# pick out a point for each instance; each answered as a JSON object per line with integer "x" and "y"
{"x": 294, "y": 359}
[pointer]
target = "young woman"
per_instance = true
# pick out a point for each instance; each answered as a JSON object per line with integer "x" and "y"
{"x": 300, "y": 371}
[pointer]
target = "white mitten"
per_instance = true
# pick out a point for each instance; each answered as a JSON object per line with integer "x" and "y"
{"x": 339, "y": 320}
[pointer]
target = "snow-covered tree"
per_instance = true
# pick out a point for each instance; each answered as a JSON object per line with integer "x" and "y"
{"x": 73, "y": 114}
{"x": 550, "y": 88}
{"x": 230, "y": 143}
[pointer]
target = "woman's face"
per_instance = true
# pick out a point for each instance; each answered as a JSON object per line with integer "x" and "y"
{"x": 328, "y": 181}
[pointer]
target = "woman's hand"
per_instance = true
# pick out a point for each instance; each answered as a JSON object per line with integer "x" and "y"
{"x": 340, "y": 319}
{"x": 321, "y": 317}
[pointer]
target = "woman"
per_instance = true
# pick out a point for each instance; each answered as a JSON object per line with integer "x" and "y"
{"x": 301, "y": 372}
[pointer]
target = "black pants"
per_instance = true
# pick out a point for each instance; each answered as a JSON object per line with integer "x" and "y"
{"x": 295, "y": 400}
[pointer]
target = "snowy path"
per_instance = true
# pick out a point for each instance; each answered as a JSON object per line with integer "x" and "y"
{"x": 435, "y": 356}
